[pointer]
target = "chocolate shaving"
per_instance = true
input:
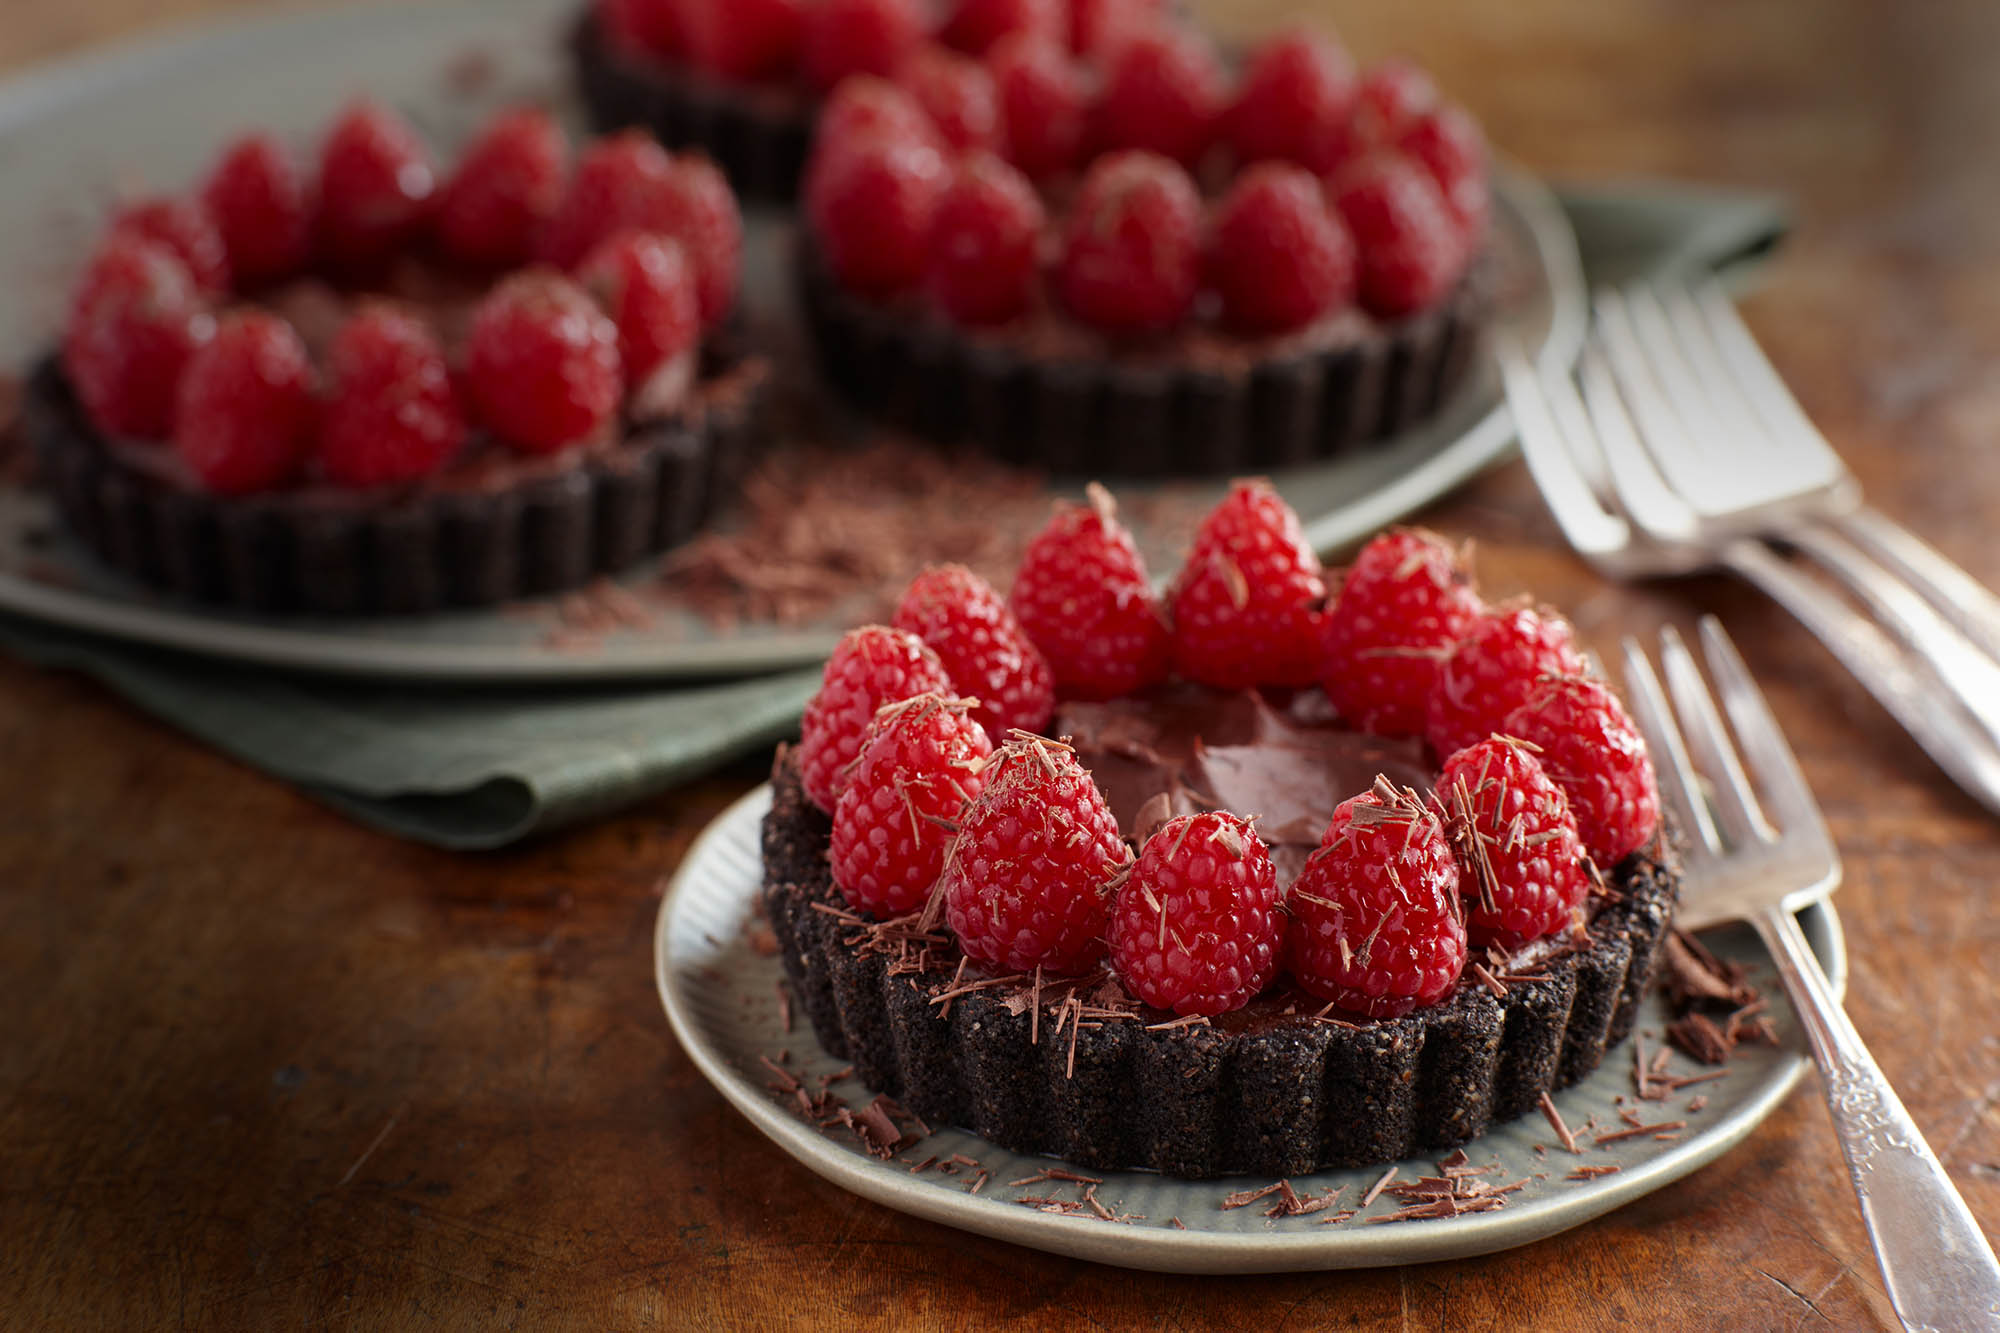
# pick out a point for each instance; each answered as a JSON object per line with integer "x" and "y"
{"x": 979, "y": 1182}
{"x": 1567, "y": 1139}
{"x": 1244, "y": 1198}
{"x": 1691, "y": 975}
{"x": 1618, "y": 1135}
{"x": 784, "y": 1007}
{"x": 1375, "y": 1190}
{"x": 1592, "y": 1171}
{"x": 1488, "y": 980}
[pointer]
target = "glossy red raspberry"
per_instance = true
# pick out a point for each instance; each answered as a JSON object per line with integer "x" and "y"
{"x": 616, "y": 187}
{"x": 958, "y": 95}
{"x": 643, "y": 27}
{"x": 848, "y": 37}
{"x": 1097, "y": 28}
{"x": 1246, "y": 607}
{"x": 1044, "y": 109}
{"x": 1164, "y": 93}
{"x": 1083, "y": 597}
{"x": 983, "y": 242}
{"x": 1409, "y": 243}
{"x": 1131, "y": 257}
{"x": 258, "y": 203}
{"x": 982, "y": 646}
{"x": 869, "y": 202}
{"x": 869, "y": 667}
{"x": 246, "y": 415}
{"x": 922, "y": 760}
{"x": 1196, "y": 928}
{"x": 1025, "y": 884}
{"x": 1520, "y": 860}
{"x": 865, "y": 107}
{"x": 977, "y": 26}
{"x": 744, "y": 39}
{"x": 390, "y": 414}
{"x": 1277, "y": 255}
{"x": 696, "y": 207}
{"x": 644, "y": 282}
{"x": 541, "y": 363}
{"x": 1588, "y": 743}
{"x": 136, "y": 322}
{"x": 1376, "y": 924}
{"x": 1294, "y": 101}
{"x": 376, "y": 187}
{"x": 1391, "y": 95}
{"x": 508, "y": 185}
{"x": 1448, "y": 142}
{"x": 1406, "y": 602}
{"x": 183, "y": 228}
{"x": 1496, "y": 667}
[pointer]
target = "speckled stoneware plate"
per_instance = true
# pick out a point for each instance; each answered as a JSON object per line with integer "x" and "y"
{"x": 721, "y": 996}
{"x": 76, "y": 135}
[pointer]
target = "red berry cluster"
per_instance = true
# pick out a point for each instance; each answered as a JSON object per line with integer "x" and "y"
{"x": 621, "y": 265}
{"x": 1004, "y": 834}
{"x": 1343, "y": 187}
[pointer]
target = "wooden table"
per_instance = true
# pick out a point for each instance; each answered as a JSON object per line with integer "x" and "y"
{"x": 267, "y": 1069}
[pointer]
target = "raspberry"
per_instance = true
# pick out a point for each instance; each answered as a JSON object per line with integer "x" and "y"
{"x": 865, "y": 107}
{"x": 1082, "y": 596}
{"x": 1196, "y": 927}
{"x": 1245, "y": 608}
{"x": 744, "y": 39}
{"x": 1521, "y": 859}
{"x": 1044, "y": 111}
{"x": 1277, "y": 255}
{"x": 870, "y": 203}
{"x": 1163, "y": 93}
{"x": 977, "y": 26}
{"x": 390, "y": 415}
{"x": 1448, "y": 142}
{"x": 1024, "y": 882}
{"x": 982, "y": 646}
{"x": 258, "y": 203}
{"x": 246, "y": 415}
{"x": 1406, "y": 603}
{"x": 643, "y": 27}
{"x": 617, "y": 180}
{"x": 844, "y": 37}
{"x": 185, "y": 230}
{"x": 1589, "y": 745}
{"x": 1131, "y": 256}
{"x": 1391, "y": 95}
{"x": 869, "y": 667}
{"x": 375, "y": 187}
{"x": 1494, "y": 669}
{"x": 1376, "y": 925}
{"x": 957, "y": 93}
{"x": 643, "y": 281}
{"x": 541, "y": 363}
{"x": 920, "y": 762}
{"x": 507, "y": 186}
{"x": 1294, "y": 101}
{"x": 1099, "y": 27}
{"x": 1408, "y": 240}
{"x": 696, "y": 207}
{"x": 136, "y": 321}
{"x": 982, "y": 244}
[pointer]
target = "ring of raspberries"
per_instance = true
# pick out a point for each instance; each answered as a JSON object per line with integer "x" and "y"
{"x": 361, "y": 322}
{"x": 948, "y": 804}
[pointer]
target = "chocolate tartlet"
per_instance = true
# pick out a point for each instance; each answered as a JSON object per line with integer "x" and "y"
{"x": 1078, "y": 1070}
{"x": 1047, "y": 393}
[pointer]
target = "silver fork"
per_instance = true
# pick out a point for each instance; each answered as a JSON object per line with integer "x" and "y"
{"x": 1759, "y": 860}
{"x": 1644, "y": 482}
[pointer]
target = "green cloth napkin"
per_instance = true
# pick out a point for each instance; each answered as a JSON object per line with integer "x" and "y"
{"x": 470, "y": 768}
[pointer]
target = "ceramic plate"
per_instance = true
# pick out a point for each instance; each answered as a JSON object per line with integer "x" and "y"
{"x": 721, "y": 997}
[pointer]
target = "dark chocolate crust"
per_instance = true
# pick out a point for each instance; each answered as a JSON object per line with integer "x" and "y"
{"x": 418, "y": 550}
{"x": 1114, "y": 417}
{"x": 758, "y": 140}
{"x": 1284, "y": 1098}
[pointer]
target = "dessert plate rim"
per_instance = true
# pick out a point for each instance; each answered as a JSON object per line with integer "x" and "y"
{"x": 722, "y": 862}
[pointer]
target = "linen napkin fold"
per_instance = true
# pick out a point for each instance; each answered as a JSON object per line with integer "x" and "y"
{"x": 471, "y": 768}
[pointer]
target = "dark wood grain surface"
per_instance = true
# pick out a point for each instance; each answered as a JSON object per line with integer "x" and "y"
{"x": 262, "y": 1068}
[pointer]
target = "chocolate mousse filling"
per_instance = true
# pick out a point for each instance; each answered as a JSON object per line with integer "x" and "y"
{"x": 1077, "y": 1069}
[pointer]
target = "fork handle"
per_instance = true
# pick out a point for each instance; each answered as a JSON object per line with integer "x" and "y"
{"x": 1939, "y": 1269}
{"x": 1948, "y": 734}
{"x": 1957, "y": 596}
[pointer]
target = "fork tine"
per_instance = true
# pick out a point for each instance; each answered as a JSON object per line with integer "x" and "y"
{"x": 1654, "y": 413}
{"x": 1778, "y": 777}
{"x": 1636, "y": 481}
{"x": 1715, "y": 439}
{"x": 1679, "y": 787}
{"x": 1754, "y": 373}
{"x": 1551, "y": 457}
{"x": 1730, "y": 793}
